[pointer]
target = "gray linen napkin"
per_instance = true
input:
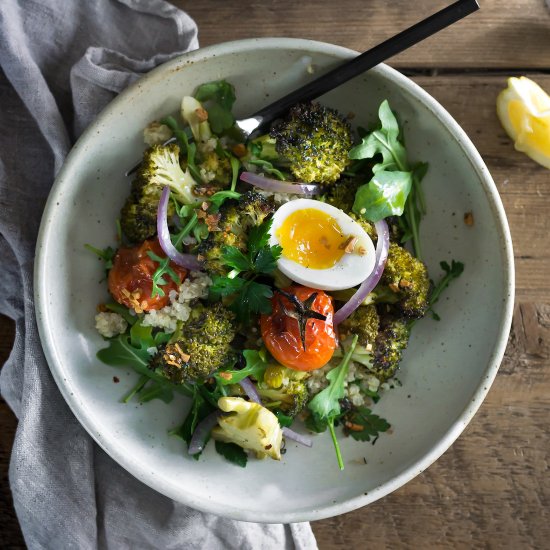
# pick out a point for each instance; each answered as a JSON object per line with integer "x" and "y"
{"x": 62, "y": 61}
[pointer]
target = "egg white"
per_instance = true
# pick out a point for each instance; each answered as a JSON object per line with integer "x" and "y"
{"x": 349, "y": 271}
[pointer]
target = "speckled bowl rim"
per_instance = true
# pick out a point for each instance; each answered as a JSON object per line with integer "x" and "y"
{"x": 85, "y": 416}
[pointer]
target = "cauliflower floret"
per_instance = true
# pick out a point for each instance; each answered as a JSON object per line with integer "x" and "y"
{"x": 110, "y": 324}
{"x": 156, "y": 133}
{"x": 252, "y": 427}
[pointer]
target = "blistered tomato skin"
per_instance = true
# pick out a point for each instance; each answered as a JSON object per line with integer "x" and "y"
{"x": 281, "y": 334}
{"x": 131, "y": 277}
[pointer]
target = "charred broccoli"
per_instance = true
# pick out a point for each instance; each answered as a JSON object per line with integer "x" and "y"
{"x": 391, "y": 341}
{"x": 291, "y": 398}
{"x": 236, "y": 219}
{"x": 407, "y": 277}
{"x": 199, "y": 347}
{"x": 364, "y": 322}
{"x": 160, "y": 167}
{"x": 341, "y": 193}
{"x": 314, "y": 141}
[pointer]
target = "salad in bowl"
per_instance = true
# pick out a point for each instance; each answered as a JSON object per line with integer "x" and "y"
{"x": 274, "y": 280}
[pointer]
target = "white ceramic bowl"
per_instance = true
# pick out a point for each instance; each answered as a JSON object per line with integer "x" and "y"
{"x": 447, "y": 369}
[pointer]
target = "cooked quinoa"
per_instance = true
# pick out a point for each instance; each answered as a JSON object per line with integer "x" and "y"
{"x": 195, "y": 286}
{"x": 110, "y": 324}
{"x": 359, "y": 380}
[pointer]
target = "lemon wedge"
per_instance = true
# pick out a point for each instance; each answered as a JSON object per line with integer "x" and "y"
{"x": 524, "y": 110}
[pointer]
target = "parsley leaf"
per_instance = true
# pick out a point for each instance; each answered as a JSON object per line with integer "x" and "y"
{"x": 256, "y": 365}
{"x": 249, "y": 296}
{"x": 366, "y": 425}
{"x": 232, "y": 452}
{"x": 234, "y": 258}
{"x": 452, "y": 272}
{"x": 266, "y": 259}
{"x": 223, "y": 286}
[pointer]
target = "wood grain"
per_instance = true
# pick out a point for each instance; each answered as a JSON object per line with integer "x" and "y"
{"x": 492, "y": 488}
{"x": 512, "y": 34}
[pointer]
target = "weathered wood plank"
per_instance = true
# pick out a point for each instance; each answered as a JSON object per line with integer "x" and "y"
{"x": 492, "y": 488}
{"x": 513, "y": 34}
{"x": 523, "y": 185}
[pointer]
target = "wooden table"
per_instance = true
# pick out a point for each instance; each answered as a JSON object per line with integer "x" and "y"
{"x": 492, "y": 488}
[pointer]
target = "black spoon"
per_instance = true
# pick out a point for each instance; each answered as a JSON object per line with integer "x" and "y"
{"x": 260, "y": 120}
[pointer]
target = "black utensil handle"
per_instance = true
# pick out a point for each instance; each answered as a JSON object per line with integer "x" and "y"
{"x": 368, "y": 60}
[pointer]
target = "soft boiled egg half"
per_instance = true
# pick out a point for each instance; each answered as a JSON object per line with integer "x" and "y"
{"x": 322, "y": 246}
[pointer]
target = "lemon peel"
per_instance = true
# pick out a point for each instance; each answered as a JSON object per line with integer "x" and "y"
{"x": 524, "y": 111}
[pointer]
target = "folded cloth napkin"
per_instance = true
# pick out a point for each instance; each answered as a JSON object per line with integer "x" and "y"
{"x": 62, "y": 61}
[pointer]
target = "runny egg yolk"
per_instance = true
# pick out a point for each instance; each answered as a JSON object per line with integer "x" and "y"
{"x": 311, "y": 238}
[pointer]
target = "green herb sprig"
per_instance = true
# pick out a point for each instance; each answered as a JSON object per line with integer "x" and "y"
{"x": 249, "y": 296}
{"x": 163, "y": 269}
{"x": 394, "y": 189}
{"x": 325, "y": 406}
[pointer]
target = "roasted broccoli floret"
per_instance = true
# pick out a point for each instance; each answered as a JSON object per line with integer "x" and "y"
{"x": 236, "y": 219}
{"x": 214, "y": 169}
{"x": 314, "y": 141}
{"x": 138, "y": 216}
{"x": 199, "y": 347}
{"x": 341, "y": 193}
{"x": 290, "y": 398}
{"x": 407, "y": 277}
{"x": 250, "y": 426}
{"x": 390, "y": 342}
{"x": 160, "y": 167}
{"x": 364, "y": 322}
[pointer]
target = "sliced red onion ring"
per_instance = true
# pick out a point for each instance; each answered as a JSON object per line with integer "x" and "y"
{"x": 382, "y": 247}
{"x": 277, "y": 186}
{"x": 185, "y": 260}
{"x": 202, "y": 431}
{"x": 250, "y": 390}
{"x": 299, "y": 438}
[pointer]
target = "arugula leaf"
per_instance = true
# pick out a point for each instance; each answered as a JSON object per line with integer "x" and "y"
{"x": 366, "y": 425}
{"x": 386, "y": 194}
{"x": 182, "y": 136}
{"x": 268, "y": 167}
{"x": 394, "y": 189}
{"x": 123, "y": 311}
{"x": 106, "y": 254}
{"x": 452, "y": 272}
{"x": 199, "y": 410}
{"x": 326, "y": 404}
{"x": 232, "y": 452}
{"x": 218, "y": 97}
{"x": 158, "y": 276}
{"x": 217, "y": 199}
{"x": 130, "y": 350}
{"x": 235, "y": 166}
{"x": 255, "y": 367}
{"x": 156, "y": 390}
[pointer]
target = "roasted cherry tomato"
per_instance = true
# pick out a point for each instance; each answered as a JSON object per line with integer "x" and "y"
{"x": 296, "y": 320}
{"x": 131, "y": 277}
